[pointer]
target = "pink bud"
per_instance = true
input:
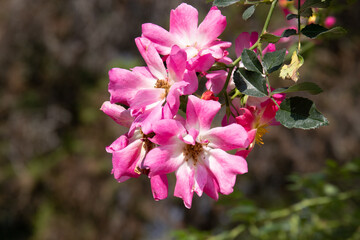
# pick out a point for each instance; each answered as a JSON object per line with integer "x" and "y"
{"x": 330, "y": 21}
{"x": 209, "y": 95}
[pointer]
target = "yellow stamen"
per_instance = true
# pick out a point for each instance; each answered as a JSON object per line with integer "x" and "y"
{"x": 312, "y": 19}
{"x": 137, "y": 170}
{"x": 261, "y": 130}
{"x": 147, "y": 145}
{"x": 163, "y": 84}
{"x": 193, "y": 151}
{"x": 141, "y": 171}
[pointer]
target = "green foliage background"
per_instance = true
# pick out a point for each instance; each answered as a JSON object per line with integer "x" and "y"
{"x": 327, "y": 208}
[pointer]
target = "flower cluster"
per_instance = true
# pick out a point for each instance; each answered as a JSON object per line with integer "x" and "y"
{"x": 164, "y": 137}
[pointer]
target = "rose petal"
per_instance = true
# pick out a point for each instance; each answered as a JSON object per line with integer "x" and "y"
{"x": 245, "y": 40}
{"x": 176, "y": 63}
{"x": 151, "y": 57}
{"x": 212, "y": 26}
{"x": 200, "y": 113}
{"x": 200, "y": 179}
{"x": 162, "y": 39}
{"x": 225, "y": 167}
{"x": 245, "y": 119}
{"x": 124, "y": 85}
{"x": 211, "y": 188}
{"x": 167, "y": 130}
{"x": 183, "y": 24}
{"x": 163, "y": 159}
{"x": 118, "y": 113}
{"x": 159, "y": 187}
{"x": 125, "y": 160}
{"x": 118, "y": 144}
{"x": 184, "y": 183}
{"x": 145, "y": 97}
{"x": 216, "y": 81}
{"x": 227, "y": 138}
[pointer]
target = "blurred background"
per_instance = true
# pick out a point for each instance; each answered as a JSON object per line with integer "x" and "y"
{"x": 55, "y": 180}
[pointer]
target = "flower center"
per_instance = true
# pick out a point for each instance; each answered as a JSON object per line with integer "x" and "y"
{"x": 142, "y": 171}
{"x": 193, "y": 151}
{"x": 260, "y": 131}
{"x": 163, "y": 84}
{"x": 147, "y": 145}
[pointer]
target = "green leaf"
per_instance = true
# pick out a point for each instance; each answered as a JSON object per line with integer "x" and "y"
{"x": 298, "y": 112}
{"x": 250, "y": 61}
{"x": 291, "y": 16}
{"x": 224, "y": 3}
{"x": 272, "y": 61}
{"x": 248, "y": 12}
{"x": 310, "y": 87}
{"x": 270, "y": 38}
{"x": 292, "y": 70}
{"x": 315, "y": 4}
{"x": 288, "y": 33}
{"x": 315, "y": 30}
{"x": 334, "y": 32}
{"x": 250, "y": 83}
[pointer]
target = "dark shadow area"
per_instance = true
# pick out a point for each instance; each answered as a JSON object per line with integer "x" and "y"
{"x": 55, "y": 175}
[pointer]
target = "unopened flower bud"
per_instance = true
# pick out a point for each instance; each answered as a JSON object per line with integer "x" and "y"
{"x": 209, "y": 95}
{"x": 330, "y": 22}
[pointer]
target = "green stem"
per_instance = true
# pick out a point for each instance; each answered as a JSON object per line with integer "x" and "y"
{"x": 237, "y": 93}
{"x": 223, "y": 90}
{"x": 228, "y": 110}
{"x": 309, "y": 203}
{"x": 266, "y": 24}
{"x": 232, "y": 234}
{"x": 299, "y": 25}
{"x": 275, "y": 102}
{"x": 267, "y": 21}
{"x": 268, "y": 85}
{"x": 305, "y": 47}
{"x": 236, "y": 62}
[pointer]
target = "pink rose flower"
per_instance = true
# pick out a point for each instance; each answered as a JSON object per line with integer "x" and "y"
{"x": 129, "y": 150}
{"x": 258, "y": 114}
{"x": 201, "y": 42}
{"x": 197, "y": 153}
{"x": 209, "y": 95}
{"x": 153, "y": 92}
{"x": 247, "y": 40}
